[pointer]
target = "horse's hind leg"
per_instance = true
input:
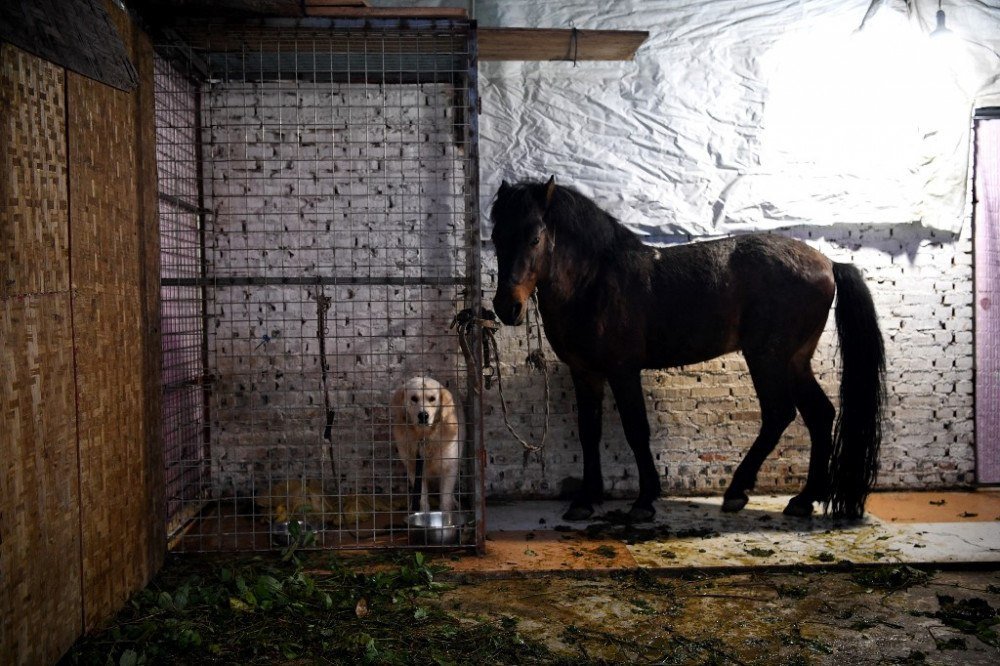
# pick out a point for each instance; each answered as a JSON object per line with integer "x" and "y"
{"x": 772, "y": 380}
{"x": 589, "y": 412}
{"x": 632, "y": 409}
{"x": 818, "y": 413}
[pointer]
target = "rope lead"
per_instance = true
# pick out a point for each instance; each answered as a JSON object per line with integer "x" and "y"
{"x": 465, "y": 323}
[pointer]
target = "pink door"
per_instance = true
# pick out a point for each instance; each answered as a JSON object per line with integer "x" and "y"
{"x": 987, "y": 326}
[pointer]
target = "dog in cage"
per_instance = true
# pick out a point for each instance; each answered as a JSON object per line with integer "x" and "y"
{"x": 427, "y": 429}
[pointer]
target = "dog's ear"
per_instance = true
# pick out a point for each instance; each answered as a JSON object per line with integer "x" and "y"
{"x": 448, "y": 414}
{"x": 397, "y": 415}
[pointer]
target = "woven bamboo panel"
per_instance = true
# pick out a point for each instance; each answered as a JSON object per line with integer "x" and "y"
{"x": 112, "y": 409}
{"x": 108, "y": 311}
{"x": 115, "y": 526}
{"x": 39, "y": 497}
{"x": 39, "y": 492}
{"x": 33, "y": 237}
{"x": 149, "y": 249}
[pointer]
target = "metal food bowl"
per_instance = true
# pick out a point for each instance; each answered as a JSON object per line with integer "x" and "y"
{"x": 438, "y": 528}
{"x": 281, "y": 532}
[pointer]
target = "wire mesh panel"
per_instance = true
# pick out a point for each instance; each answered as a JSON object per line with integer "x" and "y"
{"x": 181, "y": 294}
{"x": 339, "y": 232}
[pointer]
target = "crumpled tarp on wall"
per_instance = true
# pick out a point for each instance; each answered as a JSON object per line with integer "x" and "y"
{"x": 739, "y": 115}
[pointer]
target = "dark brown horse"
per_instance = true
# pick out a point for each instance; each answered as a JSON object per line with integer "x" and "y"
{"x": 612, "y": 306}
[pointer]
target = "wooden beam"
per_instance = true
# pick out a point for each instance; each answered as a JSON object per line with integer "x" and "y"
{"x": 388, "y": 12}
{"x": 558, "y": 44}
{"x": 335, "y": 3}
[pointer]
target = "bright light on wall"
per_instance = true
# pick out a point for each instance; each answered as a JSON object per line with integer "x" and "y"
{"x": 861, "y": 101}
{"x": 874, "y": 111}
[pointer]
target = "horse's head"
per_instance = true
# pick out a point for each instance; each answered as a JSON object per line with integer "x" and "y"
{"x": 524, "y": 244}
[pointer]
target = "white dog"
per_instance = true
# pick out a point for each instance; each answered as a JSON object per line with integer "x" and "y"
{"x": 427, "y": 425}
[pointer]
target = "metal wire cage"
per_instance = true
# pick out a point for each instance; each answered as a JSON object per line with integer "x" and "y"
{"x": 319, "y": 229}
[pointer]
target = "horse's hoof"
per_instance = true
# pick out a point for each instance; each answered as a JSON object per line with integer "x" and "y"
{"x": 799, "y": 508}
{"x": 734, "y": 504}
{"x": 578, "y": 512}
{"x": 641, "y": 513}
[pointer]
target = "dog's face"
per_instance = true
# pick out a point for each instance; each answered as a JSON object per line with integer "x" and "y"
{"x": 422, "y": 400}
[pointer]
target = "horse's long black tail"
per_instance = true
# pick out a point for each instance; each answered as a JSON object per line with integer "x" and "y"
{"x": 858, "y": 432}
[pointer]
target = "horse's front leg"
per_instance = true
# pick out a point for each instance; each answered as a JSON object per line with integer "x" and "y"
{"x": 627, "y": 390}
{"x": 589, "y": 410}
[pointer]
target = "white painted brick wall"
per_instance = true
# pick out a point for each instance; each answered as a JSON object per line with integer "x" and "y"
{"x": 331, "y": 180}
{"x": 269, "y": 183}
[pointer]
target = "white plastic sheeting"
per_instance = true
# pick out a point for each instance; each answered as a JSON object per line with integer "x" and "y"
{"x": 748, "y": 114}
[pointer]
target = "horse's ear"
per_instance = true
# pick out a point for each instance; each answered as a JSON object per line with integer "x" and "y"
{"x": 504, "y": 185}
{"x": 550, "y": 191}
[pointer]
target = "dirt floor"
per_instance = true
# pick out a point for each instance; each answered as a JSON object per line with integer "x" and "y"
{"x": 414, "y": 610}
{"x": 915, "y": 582}
{"x": 878, "y": 615}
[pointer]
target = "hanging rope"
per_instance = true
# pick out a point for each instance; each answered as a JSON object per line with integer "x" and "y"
{"x": 465, "y": 323}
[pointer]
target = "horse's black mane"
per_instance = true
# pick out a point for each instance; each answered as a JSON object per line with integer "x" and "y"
{"x": 570, "y": 214}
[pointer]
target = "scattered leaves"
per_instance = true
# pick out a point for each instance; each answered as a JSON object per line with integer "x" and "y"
{"x": 890, "y": 577}
{"x": 970, "y": 616}
{"x": 953, "y": 643}
{"x": 792, "y": 591}
{"x": 265, "y": 610}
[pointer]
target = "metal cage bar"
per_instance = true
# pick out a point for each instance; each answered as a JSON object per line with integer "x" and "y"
{"x": 319, "y": 205}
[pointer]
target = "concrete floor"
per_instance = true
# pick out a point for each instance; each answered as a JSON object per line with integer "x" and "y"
{"x": 950, "y": 528}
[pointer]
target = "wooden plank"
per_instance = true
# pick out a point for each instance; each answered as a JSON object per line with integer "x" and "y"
{"x": 389, "y": 12}
{"x": 161, "y": 12}
{"x": 40, "y": 597}
{"x": 214, "y": 36}
{"x": 309, "y": 4}
{"x": 558, "y": 44}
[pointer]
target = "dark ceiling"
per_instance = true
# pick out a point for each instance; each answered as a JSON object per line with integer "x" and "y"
{"x": 171, "y": 9}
